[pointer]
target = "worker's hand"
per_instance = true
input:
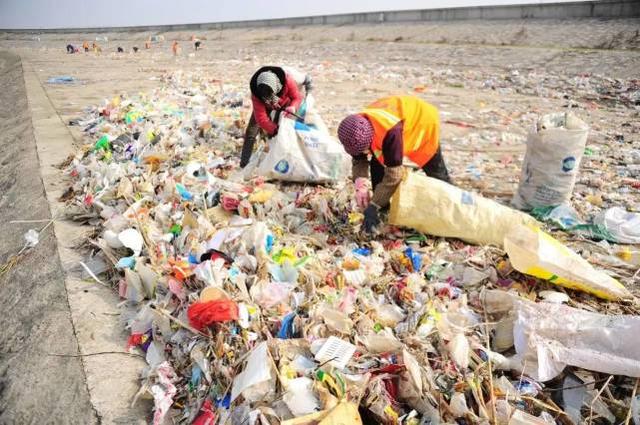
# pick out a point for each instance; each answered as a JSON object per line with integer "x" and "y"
{"x": 371, "y": 219}
{"x": 289, "y": 111}
{"x": 363, "y": 195}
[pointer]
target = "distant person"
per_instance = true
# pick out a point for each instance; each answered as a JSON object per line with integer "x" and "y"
{"x": 135, "y": 49}
{"x": 380, "y": 137}
{"x": 96, "y": 48}
{"x": 85, "y": 46}
{"x": 120, "y": 50}
{"x": 197, "y": 44}
{"x": 175, "y": 47}
{"x": 276, "y": 90}
{"x": 70, "y": 49}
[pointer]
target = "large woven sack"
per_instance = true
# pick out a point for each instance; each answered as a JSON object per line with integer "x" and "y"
{"x": 551, "y": 162}
{"x": 437, "y": 208}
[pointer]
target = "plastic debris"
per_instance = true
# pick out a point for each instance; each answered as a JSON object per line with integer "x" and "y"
{"x": 536, "y": 253}
{"x": 549, "y": 337}
{"x": 32, "y": 237}
{"x": 336, "y": 351}
{"x": 623, "y": 225}
{"x": 255, "y": 382}
{"x": 63, "y": 79}
{"x": 132, "y": 239}
{"x": 270, "y": 306}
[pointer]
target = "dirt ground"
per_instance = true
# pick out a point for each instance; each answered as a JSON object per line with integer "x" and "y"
{"x": 489, "y": 79}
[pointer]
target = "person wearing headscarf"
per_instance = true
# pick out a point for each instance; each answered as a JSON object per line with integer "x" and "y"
{"x": 380, "y": 137}
{"x": 274, "y": 90}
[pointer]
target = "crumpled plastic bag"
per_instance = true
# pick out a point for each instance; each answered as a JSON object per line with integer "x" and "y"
{"x": 624, "y": 226}
{"x": 549, "y": 337}
{"x": 32, "y": 238}
{"x": 300, "y": 397}
{"x": 257, "y": 380}
{"x": 163, "y": 393}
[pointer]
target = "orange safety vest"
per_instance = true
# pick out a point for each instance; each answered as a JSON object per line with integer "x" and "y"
{"x": 421, "y": 127}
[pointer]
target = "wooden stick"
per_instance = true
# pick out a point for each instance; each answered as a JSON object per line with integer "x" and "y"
{"x": 494, "y": 413}
{"x": 178, "y": 321}
{"x": 597, "y": 397}
{"x": 633, "y": 395}
{"x": 563, "y": 418}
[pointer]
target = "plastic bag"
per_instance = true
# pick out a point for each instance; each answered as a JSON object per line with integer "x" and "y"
{"x": 549, "y": 337}
{"x": 257, "y": 380}
{"x": 301, "y": 153}
{"x": 437, "y": 208}
{"x": 623, "y": 225}
{"x": 551, "y": 162}
{"x": 533, "y": 252}
{"x": 203, "y": 314}
{"x": 32, "y": 237}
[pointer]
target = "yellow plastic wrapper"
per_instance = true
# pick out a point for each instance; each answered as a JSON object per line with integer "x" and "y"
{"x": 260, "y": 196}
{"x": 536, "y": 253}
{"x": 437, "y": 208}
{"x": 343, "y": 413}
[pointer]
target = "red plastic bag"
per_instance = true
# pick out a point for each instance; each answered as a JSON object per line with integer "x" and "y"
{"x": 203, "y": 314}
{"x": 206, "y": 417}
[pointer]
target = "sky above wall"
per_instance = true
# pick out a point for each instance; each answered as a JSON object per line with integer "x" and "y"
{"x": 33, "y": 14}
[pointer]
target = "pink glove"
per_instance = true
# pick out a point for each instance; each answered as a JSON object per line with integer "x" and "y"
{"x": 289, "y": 111}
{"x": 362, "y": 192}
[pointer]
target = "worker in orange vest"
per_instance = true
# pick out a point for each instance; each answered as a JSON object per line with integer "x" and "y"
{"x": 85, "y": 46}
{"x": 380, "y": 138}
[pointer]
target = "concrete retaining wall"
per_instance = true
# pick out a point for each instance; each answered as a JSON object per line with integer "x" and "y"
{"x": 606, "y": 9}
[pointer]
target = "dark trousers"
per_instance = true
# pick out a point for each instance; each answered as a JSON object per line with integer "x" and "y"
{"x": 250, "y": 136}
{"x": 435, "y": 168}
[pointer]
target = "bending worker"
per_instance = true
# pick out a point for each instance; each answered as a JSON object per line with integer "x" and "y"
{"x": 380, "y": 137}
{"x": 275, "y": 90}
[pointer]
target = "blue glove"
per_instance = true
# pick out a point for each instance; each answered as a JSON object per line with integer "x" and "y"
{"x": 371, "y": 218}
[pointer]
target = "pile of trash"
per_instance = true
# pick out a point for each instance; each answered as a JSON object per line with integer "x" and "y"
{"x": 264, "y": 303}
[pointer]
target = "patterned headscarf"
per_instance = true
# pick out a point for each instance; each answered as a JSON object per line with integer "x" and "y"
{"x": 356, "y": 134}
{"x": 270, "y": 79}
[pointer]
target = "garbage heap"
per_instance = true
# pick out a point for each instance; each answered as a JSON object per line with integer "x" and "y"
{"x": 264, "y": 303}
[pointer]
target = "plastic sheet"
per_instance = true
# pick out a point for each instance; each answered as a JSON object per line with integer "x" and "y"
{"x": 623, "y": 225}
{"x": 534, "y": 252}
{"x": 548, "y": 337}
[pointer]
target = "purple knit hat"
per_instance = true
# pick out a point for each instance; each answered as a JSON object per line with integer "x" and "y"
{"x": 356, "y": 134}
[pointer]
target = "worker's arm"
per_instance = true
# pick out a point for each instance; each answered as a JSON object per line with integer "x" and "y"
{"x": 294, "y": 93}
{"x": 360, "y": 167}
{"x": 262, "y": 117}
{"x": 392, "y": 151}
